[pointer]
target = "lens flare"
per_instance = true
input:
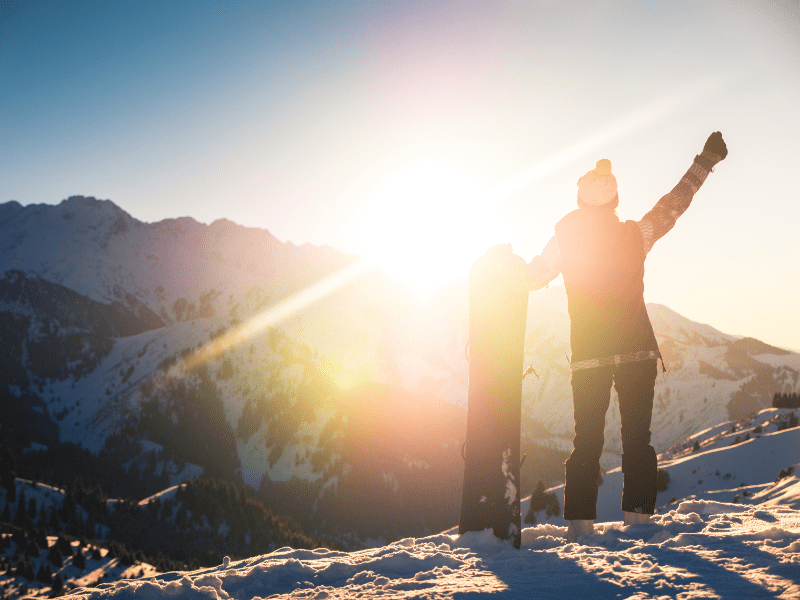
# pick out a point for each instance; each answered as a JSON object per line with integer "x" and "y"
{"x": 428, "y": 224}
{"x": 614, "y": 132}
{"x": 431, "y": 222}
{"x": 275, "y": 314}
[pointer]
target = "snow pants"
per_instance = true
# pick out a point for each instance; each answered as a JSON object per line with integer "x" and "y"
{"x": 591, "y": 393}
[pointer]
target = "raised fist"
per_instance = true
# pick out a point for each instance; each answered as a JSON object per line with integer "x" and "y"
{"x": 716, "y": 145}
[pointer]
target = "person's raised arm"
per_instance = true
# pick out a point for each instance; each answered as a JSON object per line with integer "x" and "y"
{"x": 662, "y": 217}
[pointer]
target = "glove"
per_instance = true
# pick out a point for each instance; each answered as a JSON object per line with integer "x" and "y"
{"x": 716, "y": 145}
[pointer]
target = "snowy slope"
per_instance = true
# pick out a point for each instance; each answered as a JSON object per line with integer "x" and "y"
{"x": 714, "y": 542}
{"x": 700, "y": 546}
{"x": 754, "y": 461}
{"x": 698, "y": 550}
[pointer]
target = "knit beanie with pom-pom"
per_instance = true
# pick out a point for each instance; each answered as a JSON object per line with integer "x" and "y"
{"x": 598, "y": 186}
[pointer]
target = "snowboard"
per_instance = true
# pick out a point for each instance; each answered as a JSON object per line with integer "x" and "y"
{"x": 498, "y": 307}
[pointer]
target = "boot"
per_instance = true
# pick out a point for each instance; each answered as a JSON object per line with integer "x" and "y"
{"x": 635, "y": 518}
{"x": 578, "y": 528}
{"x": 639, "y": 471}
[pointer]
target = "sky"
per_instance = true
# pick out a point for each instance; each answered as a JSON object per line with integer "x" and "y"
{"x": 418, "y": 134}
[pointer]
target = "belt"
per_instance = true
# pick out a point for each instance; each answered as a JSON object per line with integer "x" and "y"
{"x": 617, "y": 359}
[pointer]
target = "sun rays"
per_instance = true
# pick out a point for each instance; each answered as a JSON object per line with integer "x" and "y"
{"x": 427, "y": 224}
{"x": 618, "y": 130}
{"x": 424, "y": 225}
{"x": 275, "y": 314}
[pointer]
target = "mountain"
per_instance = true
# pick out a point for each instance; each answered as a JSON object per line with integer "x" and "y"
{"x": 178, "y": 348}
{"x": 176, "y": 267}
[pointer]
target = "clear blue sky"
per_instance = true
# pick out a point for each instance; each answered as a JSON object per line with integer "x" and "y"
{"x": 297, "y": 116}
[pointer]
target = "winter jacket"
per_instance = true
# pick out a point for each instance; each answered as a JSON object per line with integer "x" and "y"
{"x": 602, "y": 261}
{"x": 603, "y": 265}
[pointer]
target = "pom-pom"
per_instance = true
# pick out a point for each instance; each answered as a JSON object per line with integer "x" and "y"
{"x": 604, "y": 166}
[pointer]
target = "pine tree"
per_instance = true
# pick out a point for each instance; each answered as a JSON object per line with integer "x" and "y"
{"x": 91, "y": 526}
{"x": 78, "y": 491}
{"x": 7, "y": 474}
{"x": 541, "y": 500}
{"x": 45, "y": 575}
{"x": 41, "y": 539}
{"x": 67, "y": 512}
{"x": 22, "y": 505}
{"x": 32, "y": 512}
{"x": 55, "y": 523}
{"x": 537, "y": 503}
{"x": 18, "y": 537}
{"x": 25, "y": 568}
{"x": 64, "y": 545}
{"x": 58, "y": 585}
{"x": 55, "y": 556}
{"x": 662, "y": 480}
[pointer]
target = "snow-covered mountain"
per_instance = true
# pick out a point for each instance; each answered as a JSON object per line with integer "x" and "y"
{"x": 180, "y": 347}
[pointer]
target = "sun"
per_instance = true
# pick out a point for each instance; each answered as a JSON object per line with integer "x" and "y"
{"x": 428, "y": 224}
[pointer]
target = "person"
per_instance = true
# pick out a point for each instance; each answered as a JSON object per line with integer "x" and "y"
{"x": 611, "y": 338}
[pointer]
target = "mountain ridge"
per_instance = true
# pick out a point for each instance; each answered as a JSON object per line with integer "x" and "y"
{"x": 276, "y": 401}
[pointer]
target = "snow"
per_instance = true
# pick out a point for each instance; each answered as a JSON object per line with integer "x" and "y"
{"x": 700, "y": 549}
{"x": 746, "y": 472}
{"x": 791, "y": 361}
{"x": 163, "y": 495}
{"x": 716, "y": 542}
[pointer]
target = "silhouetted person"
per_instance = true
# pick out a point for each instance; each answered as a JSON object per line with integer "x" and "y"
{"x": 611, "y": 338}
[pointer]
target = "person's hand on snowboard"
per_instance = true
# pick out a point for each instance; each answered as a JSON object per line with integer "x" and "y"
{"x": 536, "y": 274}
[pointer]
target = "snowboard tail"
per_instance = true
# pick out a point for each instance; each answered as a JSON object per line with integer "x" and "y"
{"x": 498, "y": 306}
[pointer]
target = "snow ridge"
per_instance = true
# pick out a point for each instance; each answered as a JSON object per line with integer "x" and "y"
{"x": 699, "y": 549}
